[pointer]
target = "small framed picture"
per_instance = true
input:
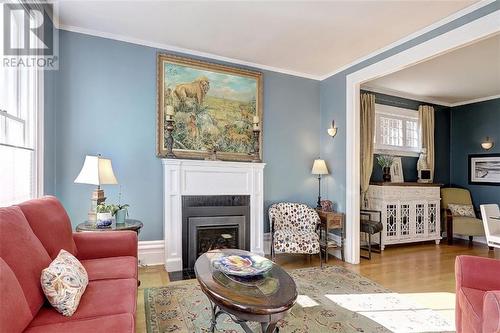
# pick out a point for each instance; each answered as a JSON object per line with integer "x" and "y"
{"x": 397, "y": 171}
{"x": 484, "y": 169}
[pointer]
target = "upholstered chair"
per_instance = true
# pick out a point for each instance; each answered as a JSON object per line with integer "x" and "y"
{"x": 477, "y": 308}
{"x": 491, "y": 221}
{"x": 466, "y": 224}
{"x": 294, "y": 229}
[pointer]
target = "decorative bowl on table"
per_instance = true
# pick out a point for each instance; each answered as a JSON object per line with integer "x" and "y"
{"x": 242, "y": 265}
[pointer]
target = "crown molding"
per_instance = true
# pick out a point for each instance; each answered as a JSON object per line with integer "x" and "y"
{"x": 411, "y": 36}
{"x": 167, "y": 47}
{"x": 476, "y": 100}
{"x": 396, "y": 93}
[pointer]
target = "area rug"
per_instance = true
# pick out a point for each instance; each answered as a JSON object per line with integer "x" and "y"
{"x": 332, "y": 299}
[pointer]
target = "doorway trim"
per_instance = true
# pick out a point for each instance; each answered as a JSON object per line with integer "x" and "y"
{"x": 480, "y": 28}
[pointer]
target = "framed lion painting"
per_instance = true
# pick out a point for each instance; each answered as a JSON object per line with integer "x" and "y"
{"x": 214, "y": 108}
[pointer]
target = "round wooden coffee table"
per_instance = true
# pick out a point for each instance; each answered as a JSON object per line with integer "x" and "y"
{"x": 265, "y": 301}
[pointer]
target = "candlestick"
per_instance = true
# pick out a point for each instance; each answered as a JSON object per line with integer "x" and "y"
{"x": 256, "y": 145}
{"x": 170, "y": 139}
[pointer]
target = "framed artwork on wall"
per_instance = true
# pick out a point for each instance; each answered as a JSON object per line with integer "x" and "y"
{"x": 215, "y": 108}
{"x": 397, "y": 171}
{"x": 484, "y": 169}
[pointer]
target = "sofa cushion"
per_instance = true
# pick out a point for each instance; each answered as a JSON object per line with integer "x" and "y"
{"x": 64, "y": 283}
{"x": 50, "y": 223}
{"x": 469, "y": 226}
{"x": 111, "y": 268}
{"x": 24, "y": 253}
{"x": 122, "y": 323}
{"x": 13, "y": 304}
{"x": 471, "y": 302}
{"x": 102, "y": 298}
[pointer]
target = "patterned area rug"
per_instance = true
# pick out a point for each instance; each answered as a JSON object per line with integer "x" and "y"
{"x": 324, "y": 305}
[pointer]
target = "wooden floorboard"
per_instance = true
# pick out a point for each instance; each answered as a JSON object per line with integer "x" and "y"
{"x": 405, "y": 269}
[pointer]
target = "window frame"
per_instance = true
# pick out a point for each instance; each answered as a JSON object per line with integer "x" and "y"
{"x": 402, "y": 114}
{"x": 29, "y": 95}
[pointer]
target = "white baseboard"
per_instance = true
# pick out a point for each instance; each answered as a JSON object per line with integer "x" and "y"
{"x": 152, "y": 252}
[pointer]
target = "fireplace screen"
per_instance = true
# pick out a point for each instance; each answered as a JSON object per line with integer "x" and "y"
{"x": 216, "y": 237}
{"x": 214, "y": 232}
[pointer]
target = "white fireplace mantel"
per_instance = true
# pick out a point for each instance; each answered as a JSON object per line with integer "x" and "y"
{"x": 194, "y": 177}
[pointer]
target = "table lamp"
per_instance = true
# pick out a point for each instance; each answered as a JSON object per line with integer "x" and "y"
{"x": 319, "y": 168}
{"x": 98, "y": 171}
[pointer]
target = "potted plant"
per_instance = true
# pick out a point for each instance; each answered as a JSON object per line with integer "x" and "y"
{"x": 385, "y": 162}
{"x": 120, "y": 213}
{"x": 105, "y": 212}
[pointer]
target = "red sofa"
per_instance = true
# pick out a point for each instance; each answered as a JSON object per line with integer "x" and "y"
{"x": 477, "y": 295}
{"x": 31, "y": 236}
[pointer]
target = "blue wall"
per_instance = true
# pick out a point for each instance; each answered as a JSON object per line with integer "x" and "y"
{"x": 333, "y": 103}
{"x": 441, "y": 141}
{"x": 470, "y": 125}
{"x": 104, "y": 101}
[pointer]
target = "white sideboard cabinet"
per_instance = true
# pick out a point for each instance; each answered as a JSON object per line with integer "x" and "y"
{"x": 410, "y": 211}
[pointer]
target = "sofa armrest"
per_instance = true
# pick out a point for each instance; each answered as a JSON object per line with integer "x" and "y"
{"x": 94, "y": 245}
{"x": 491, "y": 312}
{"x": 477, "y": 273}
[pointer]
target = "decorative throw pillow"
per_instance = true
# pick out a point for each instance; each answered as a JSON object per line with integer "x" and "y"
{"x": 64, "y": 283}
{"x": 461, "y": 210}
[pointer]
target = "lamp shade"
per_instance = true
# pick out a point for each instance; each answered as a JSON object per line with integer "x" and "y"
{"x": 319, "y": 168}
{"x": 96, "y": 171}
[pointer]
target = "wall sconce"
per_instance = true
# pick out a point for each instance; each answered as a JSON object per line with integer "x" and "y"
{"x": 487, "y": 144}
{"x": 332, "y": 131}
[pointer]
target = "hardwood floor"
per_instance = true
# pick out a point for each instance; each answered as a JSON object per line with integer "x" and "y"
{"x": 420, "y": 268}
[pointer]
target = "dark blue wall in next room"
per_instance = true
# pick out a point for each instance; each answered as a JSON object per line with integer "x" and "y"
{"x": 441, "y": 140}
{"x": 470, "y": 125}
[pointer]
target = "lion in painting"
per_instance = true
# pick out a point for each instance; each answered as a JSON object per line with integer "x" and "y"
{"x": 196, "y": 89}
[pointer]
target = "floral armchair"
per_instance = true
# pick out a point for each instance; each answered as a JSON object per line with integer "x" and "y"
{"x": 293, "y": 229}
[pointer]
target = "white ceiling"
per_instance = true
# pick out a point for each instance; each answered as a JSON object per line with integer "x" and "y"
{"x": 466, "y": 74}
{"x": 305, "y": 38}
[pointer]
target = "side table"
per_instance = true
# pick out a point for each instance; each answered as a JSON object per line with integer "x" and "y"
{"x": 331, "y": 221}
{"x": 130, "y": 224}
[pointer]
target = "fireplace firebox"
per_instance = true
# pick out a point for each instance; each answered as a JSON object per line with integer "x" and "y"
{"x": 213, "y": 222}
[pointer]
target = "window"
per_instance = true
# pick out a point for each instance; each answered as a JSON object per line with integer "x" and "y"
{"x": 20, "y": 135}
{"x": 397, "y": 130}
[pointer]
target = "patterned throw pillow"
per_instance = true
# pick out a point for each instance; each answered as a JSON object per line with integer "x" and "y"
{"x": 64, "y": 283}
{"x": 462, "y": 210}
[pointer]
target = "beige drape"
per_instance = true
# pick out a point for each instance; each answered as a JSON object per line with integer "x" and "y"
{"x": 367, "y": 123}
{"x": 426, "y": 113}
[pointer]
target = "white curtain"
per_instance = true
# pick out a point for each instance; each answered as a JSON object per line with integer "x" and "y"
{"x": 426, "y": 113}
{"x": 367, "y": 109}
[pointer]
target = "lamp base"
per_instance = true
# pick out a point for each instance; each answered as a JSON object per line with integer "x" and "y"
{"x": 97, "y": 198}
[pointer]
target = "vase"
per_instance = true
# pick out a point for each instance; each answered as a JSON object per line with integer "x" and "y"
{"x": 104, "y": 216}
{"x": 120, "y": 216}
{"x": 387, "y": 174}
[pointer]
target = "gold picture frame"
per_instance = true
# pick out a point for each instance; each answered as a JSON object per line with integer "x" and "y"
{"x": 214, "y": 108}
